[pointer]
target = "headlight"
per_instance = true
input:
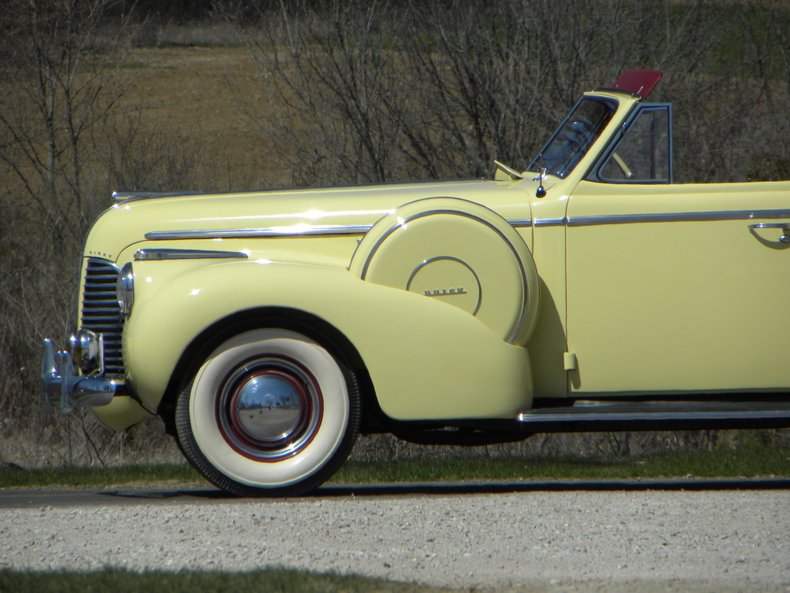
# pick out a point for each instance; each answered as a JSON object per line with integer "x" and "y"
{"x": 124, "y": 290}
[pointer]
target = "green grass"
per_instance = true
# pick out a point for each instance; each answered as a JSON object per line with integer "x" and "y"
{"x": 744, "y": 462}
{"x": 92, "y": 477}
{"x": 260, "y": 581}
{"x": 741, "y": 463}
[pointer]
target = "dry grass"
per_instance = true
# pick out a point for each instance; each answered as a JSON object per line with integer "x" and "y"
{"x": 185, "y": 93}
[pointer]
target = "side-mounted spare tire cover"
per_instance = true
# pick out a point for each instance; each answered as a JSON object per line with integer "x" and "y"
{"x": 458, "y": 252}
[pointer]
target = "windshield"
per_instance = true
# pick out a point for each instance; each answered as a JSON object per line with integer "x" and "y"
{"x": 574, "y": 137}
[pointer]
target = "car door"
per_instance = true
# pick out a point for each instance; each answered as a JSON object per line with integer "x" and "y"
{"x": 675, "y": 288}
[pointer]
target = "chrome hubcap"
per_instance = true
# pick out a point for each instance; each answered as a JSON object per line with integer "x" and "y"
{"x": 269, "y": 408}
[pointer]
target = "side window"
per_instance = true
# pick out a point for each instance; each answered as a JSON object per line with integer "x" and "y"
{"x": 643, "y": 154}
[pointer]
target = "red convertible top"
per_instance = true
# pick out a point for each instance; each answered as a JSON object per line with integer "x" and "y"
{"x": 638, "y": 82}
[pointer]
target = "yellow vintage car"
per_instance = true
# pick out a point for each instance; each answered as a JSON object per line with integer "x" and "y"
{"x": 269, "y": 328}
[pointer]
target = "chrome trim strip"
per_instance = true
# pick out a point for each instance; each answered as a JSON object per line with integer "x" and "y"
{"x": 677, "y": 217}
{"x": 520, "y": 222}
{"x": 610, "y": 413}
{"x": 576, "y": 221}
{"x": 551, "y": 221}
{"x": 309, "y": 230}
{"x": 528, "y": 418}
{"x": 299, "y": 230}
{"x": 169, "y": 254}
{"x": 125, "y": 196}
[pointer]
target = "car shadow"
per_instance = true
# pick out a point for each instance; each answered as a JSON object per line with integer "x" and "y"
{"x": 550, "y": 486}
{"x": 462, "y": 488}
{"x": 25, "y": 497}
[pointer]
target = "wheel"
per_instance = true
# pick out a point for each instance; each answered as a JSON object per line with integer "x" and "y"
{"x": 270, "y": 412}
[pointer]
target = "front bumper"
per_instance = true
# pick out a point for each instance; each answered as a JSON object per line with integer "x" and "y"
{"x": 64, "y": 388}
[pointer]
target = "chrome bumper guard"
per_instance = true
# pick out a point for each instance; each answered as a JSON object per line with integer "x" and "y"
{"x": 66, "y": 390}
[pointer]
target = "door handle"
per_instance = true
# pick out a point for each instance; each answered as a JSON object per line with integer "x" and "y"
{"x": 785, "y": 226}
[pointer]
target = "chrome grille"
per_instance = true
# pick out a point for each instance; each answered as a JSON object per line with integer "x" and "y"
{"x": 101, "y": 313}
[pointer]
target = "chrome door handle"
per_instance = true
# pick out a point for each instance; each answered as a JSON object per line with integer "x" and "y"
{"x": 785, "y": 226}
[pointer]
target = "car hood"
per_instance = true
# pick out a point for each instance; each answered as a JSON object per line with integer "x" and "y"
{"x": 353, "y": 209}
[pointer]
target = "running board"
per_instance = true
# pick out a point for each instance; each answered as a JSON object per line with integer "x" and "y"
{"x": 585, "y": 416}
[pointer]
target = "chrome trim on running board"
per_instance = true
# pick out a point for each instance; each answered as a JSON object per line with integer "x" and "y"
{"x": 657, "y": 415}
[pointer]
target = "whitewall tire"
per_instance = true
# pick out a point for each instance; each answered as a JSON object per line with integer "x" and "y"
{"x": 269, "y": 412}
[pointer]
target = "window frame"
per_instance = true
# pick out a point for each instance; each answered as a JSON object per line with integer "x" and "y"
{"x": 536, "y": 164}
{"x": 595, "y": 171}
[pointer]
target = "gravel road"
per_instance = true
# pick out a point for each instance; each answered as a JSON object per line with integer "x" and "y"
{"x": 648, "y": 541}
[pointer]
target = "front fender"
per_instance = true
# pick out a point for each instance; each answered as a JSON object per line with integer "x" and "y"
{"x": 426, "y": 359}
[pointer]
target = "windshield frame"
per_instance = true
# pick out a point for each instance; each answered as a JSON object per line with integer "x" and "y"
{"x": 570, "y": 130}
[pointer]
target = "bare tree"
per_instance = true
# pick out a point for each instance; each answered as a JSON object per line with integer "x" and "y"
{"x": 377, "y": 91}
{"x": 502, "y": 75}
{"x": 64, "y": 55}
{"x": 63, "y": 58}
{"x": 328, "y": 75}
